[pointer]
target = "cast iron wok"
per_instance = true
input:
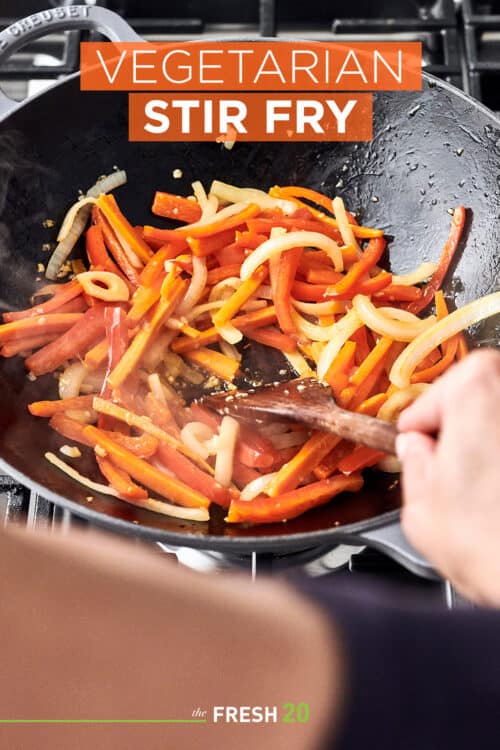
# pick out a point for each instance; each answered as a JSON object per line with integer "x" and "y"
{"x": 432, "y": 150}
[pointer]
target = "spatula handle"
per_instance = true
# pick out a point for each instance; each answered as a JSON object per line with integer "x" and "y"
{"x": 369, "y": 431}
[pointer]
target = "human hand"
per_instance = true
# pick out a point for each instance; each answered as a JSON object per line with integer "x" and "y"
{"x": 451, "y": 483}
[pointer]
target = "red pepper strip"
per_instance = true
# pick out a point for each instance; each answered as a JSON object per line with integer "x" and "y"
{"x": 119, "y": 480}
{"x": 309, "y": 292}
{"x": 360, "y": 458}
{"x": 69, "y": 428}
{"x": 121, "y": 225}
{"x": 249, "y": 240}
{"x": 143, "y": 446}
{"x": 193, "y": 476}
{"x": 203, "y": 246}
{"x": 223, "y": 272}
{"x": 451, "y": 245}
{"x": 161, "y": 416}
{"x": 116, "y": 250}
{"x": 336, "y": 374}
{"x": 371, "y": 286}
{"x": 369, "y": 258}
{"x": 243, "y": 475}
{"x": 231, "y": 255}
{"x": 285, "y": 276}
{"x": 295, "y": 191}
{"x": 163, "y": 236}
{"x": 291, "y": 504}
{"x": 175, "y": 207}
{"x": 398, "y": 293}
{"x": 315, "y": 275}
{"x": 249, "y": 321}
{"x": 431, "y": 373}
{"x": 252, "y": 450}
{"x": 70, "y": 291}
{"x": 73, "y": 343}
{"x": 431, "y": 359}
{"x": 155, "y": 267}
{"x": 272, "y": 337}
{"x": 264, "y": 226}
{"x": 329, "y": 464}
{"x": 37, "y": 325}
{"x": 27, "y": 344}
{"x": 98, "y": 255}
{"x": 364, "y": 379}
{"x": 362, "y": 346}
{"x": 49, "y": 408}
{"x": 143, "y": 472}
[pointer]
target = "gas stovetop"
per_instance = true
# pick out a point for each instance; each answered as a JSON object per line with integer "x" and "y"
{"x": 461, "y": 44}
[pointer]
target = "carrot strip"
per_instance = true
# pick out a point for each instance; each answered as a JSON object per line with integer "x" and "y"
{"x": 336, "y": 373}
{"x": 249, "y": 321}
{"x": 360, "y": 458}
{"x": 26, "y": 344}
{"x": 377, "y": 354}
{"x": 194, "y": 477}
{"x": 143, "y": 446}
{"x": 38, "y": 324}
{"x": 71, "y": 290}
{"x": 308, "y": 457}
{"x": 175, "y": 207}
{"x": 116, "y": 250}
{"x": 429, "y": 374}
{"x": 164, "y": 236}
{"x": 369, "y": 258}
{"x": 240, "y": 296}
{"x": 138, "y": 345}
{"x": 370, "y": 406}
{"x": 215, "y": 362}
{"x": 97, "y": 355}
{"x": 154, "y": 268}
{"x": 144, "y": 299}
{"x": 272, "y": 337}
{"x": 463, "y": 349}
{"x": 295, "y": 191}
{"x": 145, "y": 473}
{"x": 161, "y": 416}
{"x": 49, "y": 408}
{"x": 223, "y": 272}
{"x": 291, "y": 504}
{"x": 123, "y": 228}
{"x": 202, "y": 246}
{"x": 329, "y": 464}
{"x": 119, "y": 480}
{"x": 449, "y": 250}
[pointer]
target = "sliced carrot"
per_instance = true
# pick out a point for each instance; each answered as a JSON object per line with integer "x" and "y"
{"x": 203, "y": 246}
{"x": 176, "y": 207}
{"x": 215, "y": 362}
{"x": 329, "y": 464}
{"x": 143, "y": 472}
{"x": 291, "y": 504}
{"x": 116, "y": 250}
{"x": 240, "y": 296}
{"x": 194, "y": 477}
{"x": 97, "y": 355}
{"x": 123, "y": 228}
{"x": 38, "y": 325}
{"x": 296, "y": 191}
{"x": 119, "y": 479}
{"x": 370, "y": 406}
{"x": 429, "y": 374}
{"x": 223, "y": 272}
{"x": 144, "y": 299}
{"x": 154, "y": 268}
{"x": 308, "y": 457}
{"x": 49, "y": 408}
{"x": 69, "y": 292}
{"x": 369, "y": 258}
{"x": 337, "y": 371}
{"x": 272, "y": 337}
{"x": 26, "y": 344}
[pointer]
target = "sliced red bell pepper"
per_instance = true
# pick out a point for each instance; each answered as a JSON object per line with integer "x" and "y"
{"x": 368, "y": 259}
{"x": 176, "y": 207}
{"x": 193, "y": 476}
{"x": 282, "y": 278}
{"x": 69, "y": 292}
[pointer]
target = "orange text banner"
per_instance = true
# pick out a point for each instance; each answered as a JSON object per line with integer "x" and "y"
{"x": 250, "y": 117}
{"x": 251, "y": 66}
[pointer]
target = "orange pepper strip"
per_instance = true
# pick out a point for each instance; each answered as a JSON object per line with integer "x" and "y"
{"x": 360, "y": 458}
{"x": 49, "y": 408}
{"x": 136, "y": 349}
{"x": 11, "y": 348}
{"x": 336, "y": 374}
{"x": 263, "y": 317}
{"x": 219, "y": 364}
{"x": 123, "y": 228}
{"x": 291, "y": 504}
{"x": 175, "y": 207}
{"x": 119, "y": 480}
{"x": 272, "y": 337}
{"x": 37, "y": 325}
{"x": 143, "y": 472}
{"x": 370, "y": 406}
{"x": 70, "y": 291}
{"x": 360, "y": 232}
{"x": 96, "y": 356}
{"x": 206, "y": 245}
{"x": 240, "y": 296}
{"x": 219, "y": 225}
{"x": 369, "y": 258}
{"x": 449, "y": 250}
{"x": 284, "y": 276}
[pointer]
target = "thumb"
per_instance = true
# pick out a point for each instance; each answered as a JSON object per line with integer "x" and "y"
{"x": 416, "y": 454}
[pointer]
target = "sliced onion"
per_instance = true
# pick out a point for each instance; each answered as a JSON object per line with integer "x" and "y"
{"x": 420, "y": 347}
{"x": 197, "y": 437}
{"x": 200, "y": 194}
{"x": 196, "y": 286}
{"x": 156, "y": 351}
{"x": 108, "y": 183}
{"x": 191, "y": 375}
{"x": 341, "y": 331}
{"x": 229, "y": 333}
{"x": 206, "y": 307}
{"x": 208, "y": 214}
{"x": 423, "y": 272}
{"x": 345, "y": 228}
{"x": 320, "y": 308}
{"x": 224, "y": 288}
{"x": 256, "y": 486}
{"x": 313, "y": 331}
{"x": 390, "y": 464}
{"x": 71, "y": 379}
{"x": 230, "y": 351}
{"x": 299, "y": 364}
{"x": 277, "y": 245}
{"x": 156, "y": 388}
{"x": 114, "y": 289}
{"x": 226, "y": 444}
{"x": 399, "y": 400}
{"x": 105, "y": 489}
{"x": 390, "y": 321}
{"x": 289, "y": 439}
{"x": 67, "y": 244}
{"x": 232, "y": 194}
{"x": 72, "y": 213}
{"x": 85, "y": 416}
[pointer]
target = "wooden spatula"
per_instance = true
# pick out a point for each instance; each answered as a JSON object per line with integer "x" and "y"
{"x": 307, "y": 401}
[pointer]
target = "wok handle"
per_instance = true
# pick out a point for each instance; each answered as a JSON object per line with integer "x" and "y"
{"x": 62, "y": 18}
{"x": 391, "y": 540}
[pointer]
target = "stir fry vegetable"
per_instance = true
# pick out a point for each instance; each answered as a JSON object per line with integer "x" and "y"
{"x": 154, "y": 307}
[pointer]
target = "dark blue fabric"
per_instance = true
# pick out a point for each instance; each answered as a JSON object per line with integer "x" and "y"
{"x": 418, "y": 678}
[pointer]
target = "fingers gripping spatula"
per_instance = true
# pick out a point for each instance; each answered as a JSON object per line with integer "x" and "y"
{"x": 309, "y": 402}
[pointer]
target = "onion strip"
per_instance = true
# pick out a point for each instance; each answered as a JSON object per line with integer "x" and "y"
{"x": 232, "y": 194}
{"x": 226, "y": 444}
{"x": 420, "y": 274}
{"x": 395, "y": 325}
{"x": 341, "y": 331}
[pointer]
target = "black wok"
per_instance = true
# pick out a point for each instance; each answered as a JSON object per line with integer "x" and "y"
{"x": 432, "y": 150}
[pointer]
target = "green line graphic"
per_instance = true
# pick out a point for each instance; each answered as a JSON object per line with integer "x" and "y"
{"x": 103, "y": 721}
